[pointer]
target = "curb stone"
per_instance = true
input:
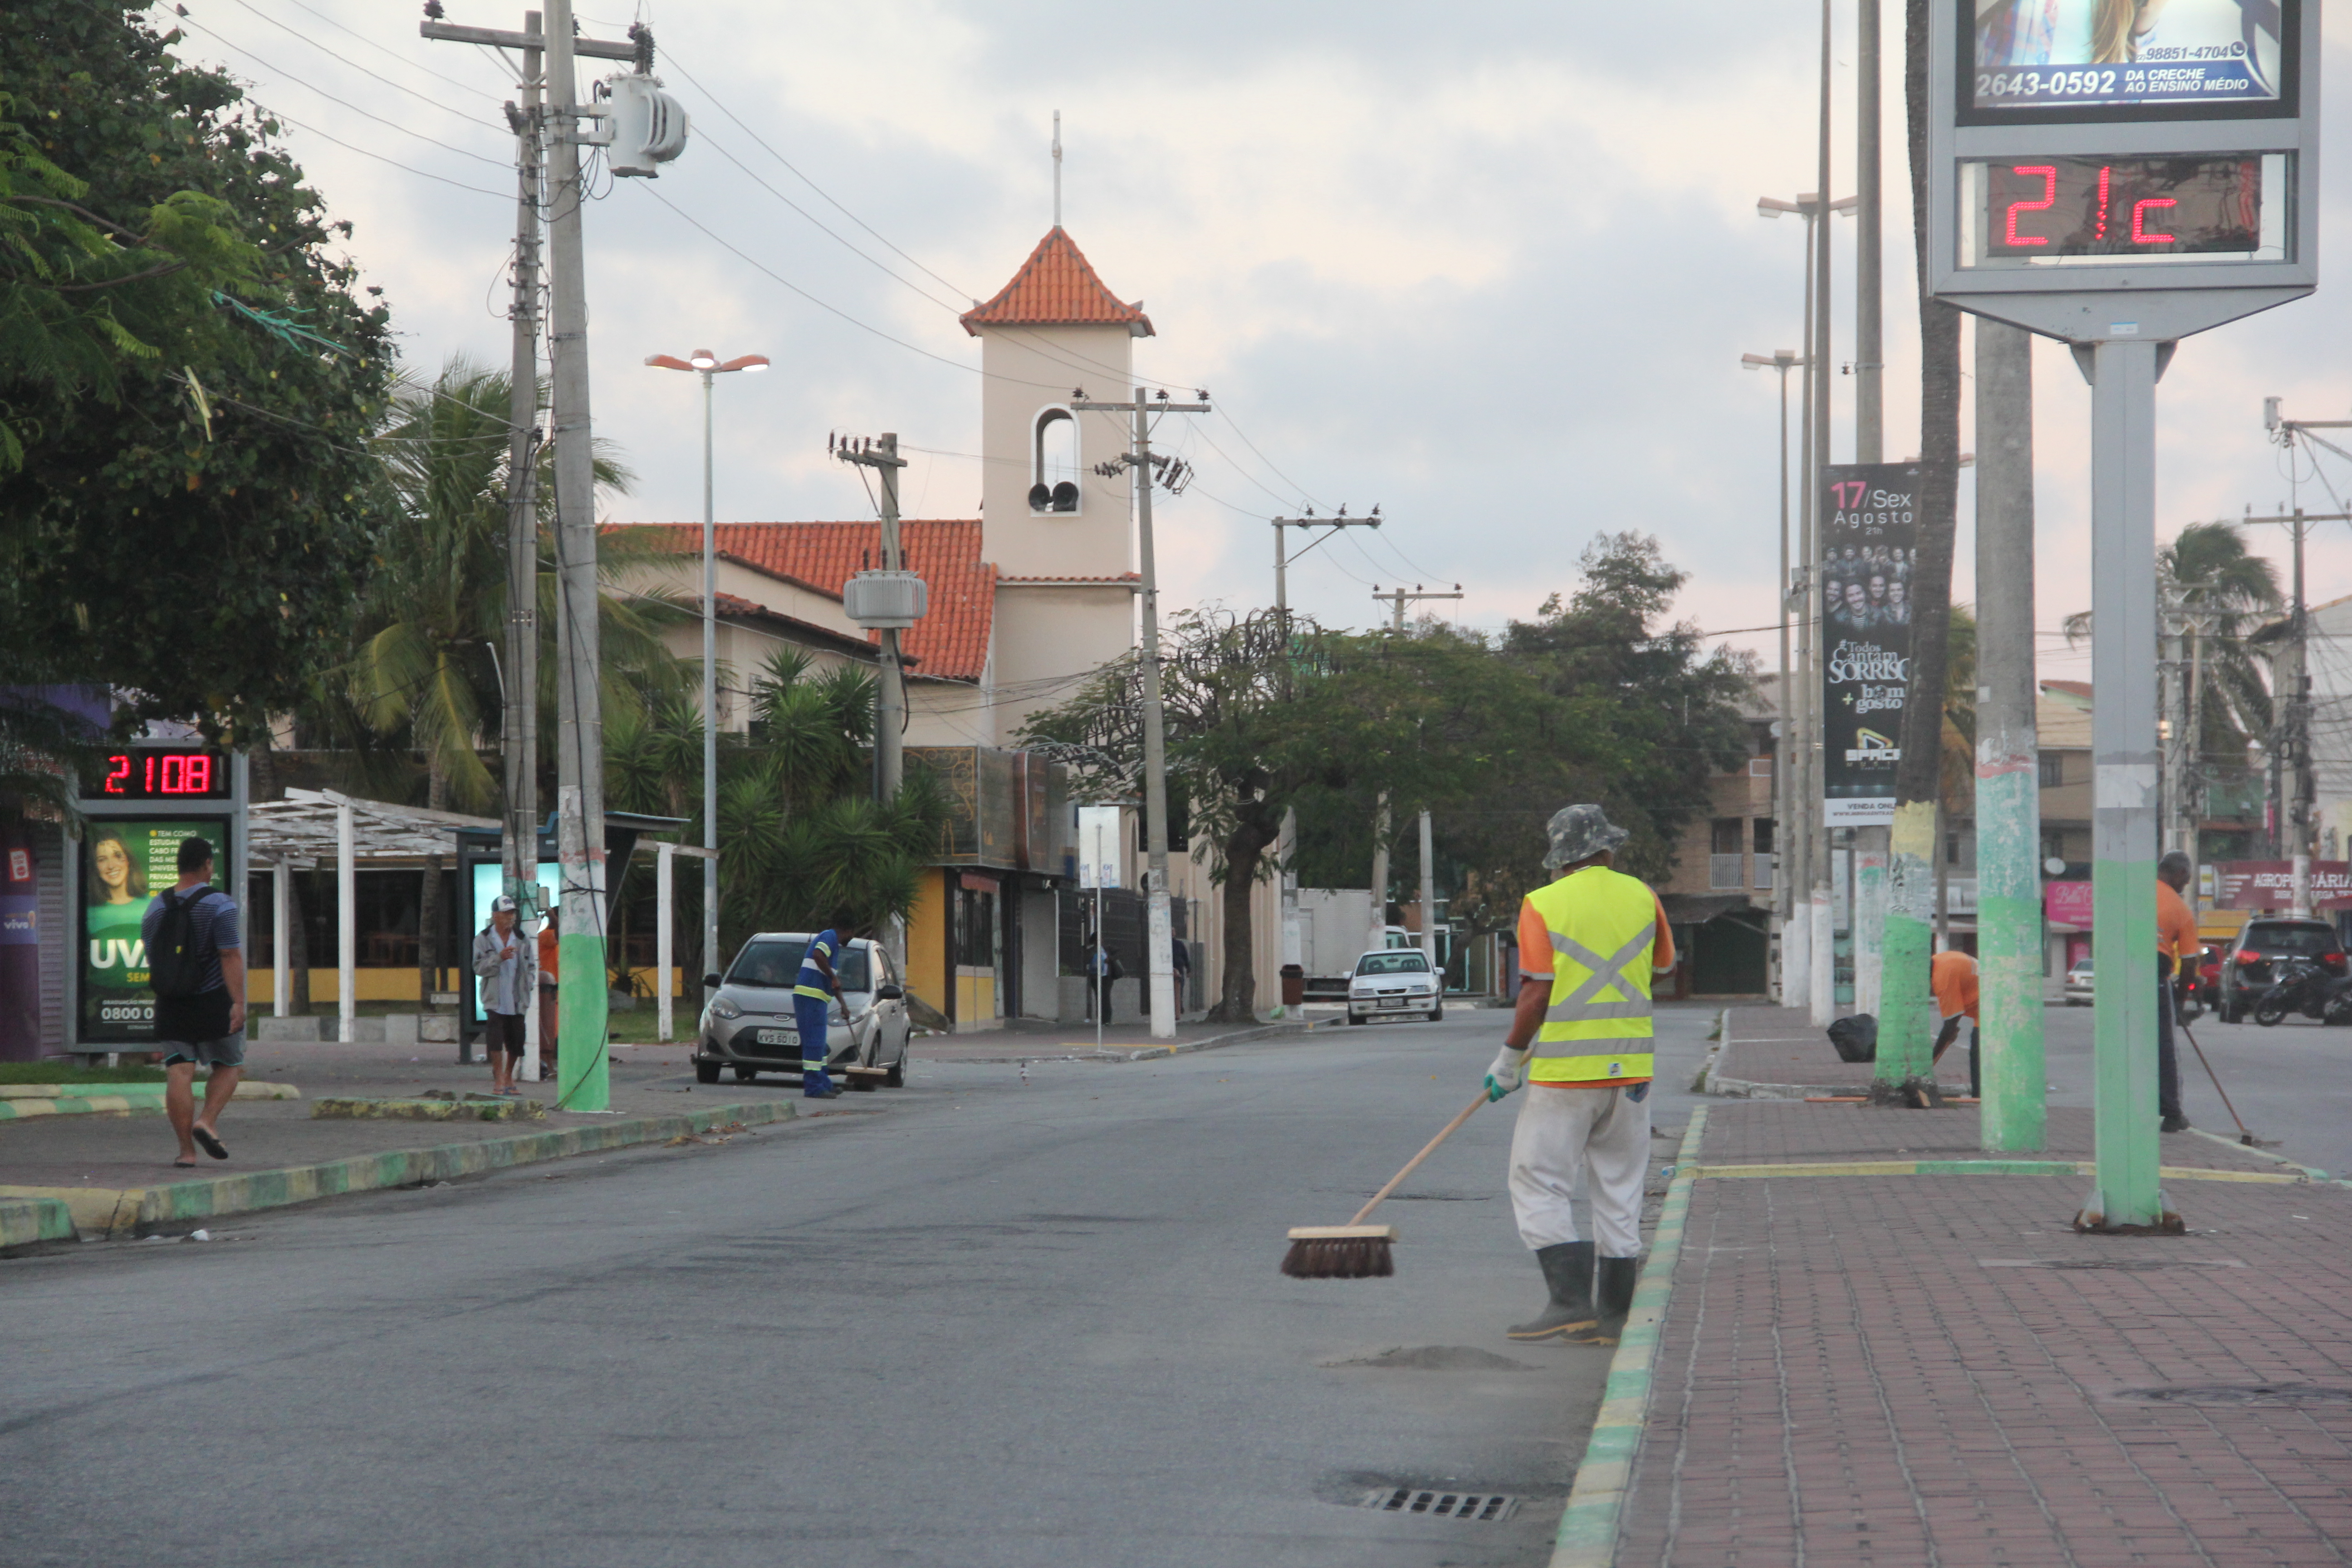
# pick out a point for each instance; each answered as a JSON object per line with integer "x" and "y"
{"x": 1588, "y": 1526}
{"x": 25, "y": 1221}
{"x": 1138, "y": 1053}
{"x": 101, "y": 1212}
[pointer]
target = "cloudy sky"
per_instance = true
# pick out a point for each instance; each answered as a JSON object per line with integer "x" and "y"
{"x": 1491, "y": 266}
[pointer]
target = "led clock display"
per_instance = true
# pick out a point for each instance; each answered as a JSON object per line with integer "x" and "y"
{"x": 165, "y": 774}
{"x": 2036, "y": 209}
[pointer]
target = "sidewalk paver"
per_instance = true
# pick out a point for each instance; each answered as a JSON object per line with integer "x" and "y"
{"x": 1775, "y": 1053}
{"x": 1937, "y": 1369}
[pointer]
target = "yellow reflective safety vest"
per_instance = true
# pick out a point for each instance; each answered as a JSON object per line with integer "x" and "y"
{"x": 1597, "y": 1028}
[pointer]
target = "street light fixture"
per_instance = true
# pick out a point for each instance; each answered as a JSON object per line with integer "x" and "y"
{"x": 1784, "y": 361}
{"x": 706, "y": 363}
{"x": 1807, "y": 855}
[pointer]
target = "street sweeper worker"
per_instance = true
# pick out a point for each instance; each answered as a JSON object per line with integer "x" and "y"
{"x": 1589, "y": 944}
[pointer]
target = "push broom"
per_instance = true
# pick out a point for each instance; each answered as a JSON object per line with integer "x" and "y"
{"x": 1356, "y": 1251}
{"x": 2243, "y": 1136}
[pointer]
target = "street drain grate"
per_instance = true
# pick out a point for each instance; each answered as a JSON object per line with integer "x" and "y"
{"x": 1478, "y": 1508}
{"x": 2287, "y": 1393}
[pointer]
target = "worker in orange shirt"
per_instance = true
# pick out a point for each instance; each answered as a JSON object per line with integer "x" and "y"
{"x": 548, "y": 948}
{"x": 1952, "y": 977}
{"x": 2175, "y": 943}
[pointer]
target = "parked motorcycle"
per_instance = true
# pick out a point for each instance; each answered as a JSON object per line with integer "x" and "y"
{"x": 2300, "y": 986}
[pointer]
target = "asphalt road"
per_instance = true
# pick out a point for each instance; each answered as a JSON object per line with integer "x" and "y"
{"x": 982, "y": 1321}
{"x": 2292, "y": 1083}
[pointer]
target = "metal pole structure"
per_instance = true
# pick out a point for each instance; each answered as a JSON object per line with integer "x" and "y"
{"x": 1783, "y": 361}
{"x": 713, "y": 960}
{"x": 1796, "y": 854}
{"x": 2009, "y": 781}
{"x": 347, "y": 927}
{"x": 1398, "y": 599}
{"x": 1292, "y": 943}
{"x": 519, "y": 839}
{"x": 889, "y": 746}
{"x": 665, "y": 943}
{"x": 584, "y": 1080}
{"x": 2298, "y": 709}
{"x": 1158, "y": 924}
{"x": 2122, "y": 756}
{"x": 281, "y": 979}
{"x": 1428, "y": 897}
{"x": 1824, "y": 991}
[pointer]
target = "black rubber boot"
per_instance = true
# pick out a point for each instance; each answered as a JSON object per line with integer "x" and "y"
{"x": 1568, "y": 1270}
{"x": 1613, "y": 1293}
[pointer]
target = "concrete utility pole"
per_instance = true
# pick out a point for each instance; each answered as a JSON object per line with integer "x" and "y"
{"x": 1397, "y": 598}
{"x": 1823, "y": 949}
{"x": 2008, "y": 779}
{"x": 518, "y": 840}
{"x": 1783, "y": 361}
{"x": 1867, "y": 912}
{"x": 881, "y": 453}
{"x": 582, "y": 1001}
{"x": 1160, "y": 927}
{"x": 1293, "y": 945}
{"x": 583, "y": 1077}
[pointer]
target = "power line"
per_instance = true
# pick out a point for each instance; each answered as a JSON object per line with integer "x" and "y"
{"x": 362, "y": 151}
{"x": 363, "y": 70}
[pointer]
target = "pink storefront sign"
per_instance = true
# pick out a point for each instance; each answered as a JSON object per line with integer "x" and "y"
{"x": 2067, "y": 903}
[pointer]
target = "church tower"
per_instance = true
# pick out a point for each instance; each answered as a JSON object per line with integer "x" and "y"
{"x": 1059, "y": 535}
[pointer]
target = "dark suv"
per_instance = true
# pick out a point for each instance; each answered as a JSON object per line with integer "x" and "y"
{"x": 2246, "y": 973}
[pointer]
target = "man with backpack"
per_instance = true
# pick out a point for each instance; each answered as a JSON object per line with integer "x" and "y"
{"x": 195, "y": 964}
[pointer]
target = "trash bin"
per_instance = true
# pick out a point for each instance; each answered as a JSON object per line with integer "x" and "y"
{"x": 1294, "y": 985}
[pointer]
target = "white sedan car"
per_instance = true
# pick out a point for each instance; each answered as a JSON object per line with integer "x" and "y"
{"x": 1393, "y": 983}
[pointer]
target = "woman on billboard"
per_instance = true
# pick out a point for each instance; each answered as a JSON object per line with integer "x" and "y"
{"x": 116, "y": 898}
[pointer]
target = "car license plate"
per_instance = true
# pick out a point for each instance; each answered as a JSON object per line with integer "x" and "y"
{"x": 775, "y": 1037}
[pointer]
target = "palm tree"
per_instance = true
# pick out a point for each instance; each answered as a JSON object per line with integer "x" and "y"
{"x": 2218, "y": 594}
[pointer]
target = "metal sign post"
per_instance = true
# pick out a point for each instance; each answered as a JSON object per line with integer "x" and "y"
{"x": 2164, "y": 183}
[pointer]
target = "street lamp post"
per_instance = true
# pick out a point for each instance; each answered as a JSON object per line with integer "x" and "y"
{"x": 706, "y": 364}
{"x": 1806, "y": 857}
{"x": 1784, "y": 361}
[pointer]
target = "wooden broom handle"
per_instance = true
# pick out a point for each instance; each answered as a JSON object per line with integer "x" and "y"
{"x": 1427, "y": 1149}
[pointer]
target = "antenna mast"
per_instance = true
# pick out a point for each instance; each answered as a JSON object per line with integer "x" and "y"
{"x": 1057, "y": 168}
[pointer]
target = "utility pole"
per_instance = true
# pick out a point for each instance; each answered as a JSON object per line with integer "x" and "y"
{"x": 1397, "y": 598}
{"x": 1870, "y": 843}
{"x": 2009, "y": 749}
{"x": 519, "y": 845}
{"x": 1783, "y": 361}
{"x": 582, "y": 1001}
{"x": 1291, "y": 943}
{"x": 1138, "y": 463}
{"x": 906, "y": 599}
{"x": 1823, "y": 950}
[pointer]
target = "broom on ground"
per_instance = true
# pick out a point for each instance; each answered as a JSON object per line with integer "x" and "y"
{"x": 2243, "y": 1136}
{"x": 1356, "y": 1251}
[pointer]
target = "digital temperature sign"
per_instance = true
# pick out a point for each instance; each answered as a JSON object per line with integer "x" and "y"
{"x": 161, "y": 773}
{"x": 2120, "y": 209}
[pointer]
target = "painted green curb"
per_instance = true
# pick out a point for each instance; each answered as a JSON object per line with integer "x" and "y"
{"x": 1588, "y": 1526}
{"x": 98, "y": 1211}
{"x": 24, "y": 1221}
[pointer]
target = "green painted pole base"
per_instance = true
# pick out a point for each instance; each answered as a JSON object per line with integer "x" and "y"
{"x": 1906, "y": 1020}
{"x": 584, "y": 1080}
{"x": 2013, "y": 1115}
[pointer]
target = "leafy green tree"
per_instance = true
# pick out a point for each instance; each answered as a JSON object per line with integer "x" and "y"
{"x": 799, "y": 832}
{"x": 188, "y": 500}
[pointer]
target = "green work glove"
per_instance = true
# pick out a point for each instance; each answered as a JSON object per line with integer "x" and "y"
{"x": 1509, "y": 1072}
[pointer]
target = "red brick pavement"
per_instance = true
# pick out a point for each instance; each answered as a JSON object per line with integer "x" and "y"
{"x": 1775, "y": 1046}
{"x": 1858, "y": 1370}
{"x": 1794, "y": 1131}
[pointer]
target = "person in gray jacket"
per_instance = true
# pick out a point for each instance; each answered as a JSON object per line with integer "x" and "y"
{"x": 508, "y": 965}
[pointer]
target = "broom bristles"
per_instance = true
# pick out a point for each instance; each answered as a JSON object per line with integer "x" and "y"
{"x": 1344, "y": 1257}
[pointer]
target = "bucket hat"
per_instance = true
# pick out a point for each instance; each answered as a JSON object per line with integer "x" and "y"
{"x": 1578, "y": 832}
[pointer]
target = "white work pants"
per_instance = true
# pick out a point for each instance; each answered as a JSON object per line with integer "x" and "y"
{"x": 1562, "y": 1130}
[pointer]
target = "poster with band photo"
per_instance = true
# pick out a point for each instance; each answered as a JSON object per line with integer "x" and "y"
{"x": 124, "y": 866}
{"x": 1869, "y": 544}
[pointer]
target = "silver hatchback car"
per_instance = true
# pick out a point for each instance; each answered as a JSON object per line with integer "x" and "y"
{"x": 750, "y": 1025}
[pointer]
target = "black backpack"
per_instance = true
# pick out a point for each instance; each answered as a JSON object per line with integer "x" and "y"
{"x": 176, "y": 965}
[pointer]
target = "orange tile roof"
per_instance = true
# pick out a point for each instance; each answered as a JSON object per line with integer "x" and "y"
{"x": 1058, "y": 286}
{"x": 951, "y": 641}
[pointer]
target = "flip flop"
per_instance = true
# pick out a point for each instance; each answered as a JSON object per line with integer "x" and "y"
{"x": 209, "y": 1142}
{"x": 185, "y": 1164}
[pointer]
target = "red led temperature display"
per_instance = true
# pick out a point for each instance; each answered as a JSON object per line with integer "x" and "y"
{"x": 2123, "y": 206}
{"x": 166, "y": 775}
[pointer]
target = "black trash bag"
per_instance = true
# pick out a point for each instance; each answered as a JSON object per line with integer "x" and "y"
{"x": 1856, "y": 1038}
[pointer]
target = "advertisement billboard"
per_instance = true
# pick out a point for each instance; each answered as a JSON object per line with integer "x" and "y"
{"x": 125, "y": 863}
{"x": 2074, "y": 58}
{"x": 2270, "y": 885}
{"x": 1869, "y": 546}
